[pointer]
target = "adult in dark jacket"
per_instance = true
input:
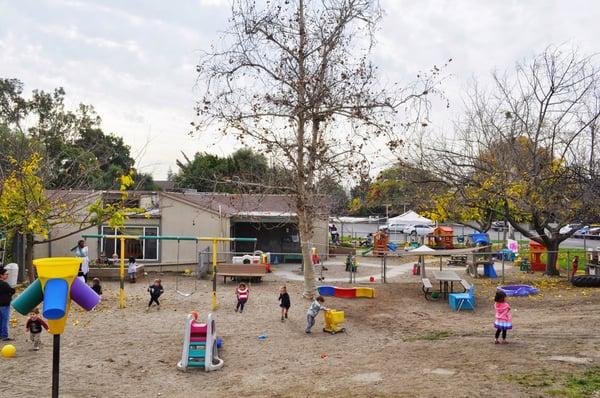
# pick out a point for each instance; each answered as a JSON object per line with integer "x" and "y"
{"x": 6, "y": 293}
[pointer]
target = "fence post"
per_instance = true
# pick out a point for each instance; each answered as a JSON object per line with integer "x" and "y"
{"x": 570, "y": 276}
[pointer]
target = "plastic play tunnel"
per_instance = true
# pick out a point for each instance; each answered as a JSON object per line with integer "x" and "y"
{"x": 346, "y": 292}
{"x": 55, "y": 298}
{"x": 29, "y": 298}
{"x": 83, "y": 295}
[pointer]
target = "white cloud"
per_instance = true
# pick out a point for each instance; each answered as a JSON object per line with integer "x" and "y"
{"x": 135, "y": 60}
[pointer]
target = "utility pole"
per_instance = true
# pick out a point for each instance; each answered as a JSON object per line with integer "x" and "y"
{"x": 387, "y": 211}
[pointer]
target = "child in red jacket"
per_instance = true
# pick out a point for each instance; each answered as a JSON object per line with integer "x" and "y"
{"x": 34, "y": 325}
{"x": 242, "y": 293}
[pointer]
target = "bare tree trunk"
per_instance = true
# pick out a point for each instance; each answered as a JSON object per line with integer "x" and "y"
{"x": 29, "y": 257}
{"x": 552, "y": 259}
{"x": 306, "y": 229}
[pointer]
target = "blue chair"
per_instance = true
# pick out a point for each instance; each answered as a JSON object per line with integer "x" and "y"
{"x": 462, "y": 301}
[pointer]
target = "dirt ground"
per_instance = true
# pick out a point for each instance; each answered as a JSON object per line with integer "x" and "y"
{"x": 396, "y": 345}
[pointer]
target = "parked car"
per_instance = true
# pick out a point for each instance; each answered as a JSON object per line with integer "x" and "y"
{"x": 393, "y": 227}
{"x": 499, "y": 225}
{"x": 581, "y": 232}
{"x": 418, "y": 230}
{"x": 588, "y": 233}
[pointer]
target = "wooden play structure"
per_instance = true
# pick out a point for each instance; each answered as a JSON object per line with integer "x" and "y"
{"x": 593, "y": 262}
{"x": 482, "y": 256}
{"x": 536, "y": 250}
{"x": 441, "y": 238}
{"x": 380, "y": 243}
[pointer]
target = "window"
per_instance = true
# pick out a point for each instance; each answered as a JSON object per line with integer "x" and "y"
{"x": 144, "y": 249}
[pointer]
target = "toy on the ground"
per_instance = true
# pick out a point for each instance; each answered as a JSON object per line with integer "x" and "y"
{"x": 8, "y": 351}
{"x": 200, "y": 344}
{"x": 346, "y": 292}
{"x": 519, "y": 290}
{"x": 56, "y": 286}
{"x": 333, "y": 320}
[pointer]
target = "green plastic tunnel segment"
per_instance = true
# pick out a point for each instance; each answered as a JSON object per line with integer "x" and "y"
{"x": 29, "y": 298}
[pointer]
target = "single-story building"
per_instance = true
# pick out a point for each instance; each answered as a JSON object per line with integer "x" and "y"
{"x": 271, "y": 219}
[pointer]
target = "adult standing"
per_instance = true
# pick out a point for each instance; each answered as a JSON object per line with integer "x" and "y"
{"x": 81, "y": 250}
{"x": 6, "y": 293}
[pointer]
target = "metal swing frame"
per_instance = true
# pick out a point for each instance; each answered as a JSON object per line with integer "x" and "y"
{"x": 177, "y": 277}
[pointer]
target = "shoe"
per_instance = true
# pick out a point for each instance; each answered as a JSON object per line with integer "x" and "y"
{"x": 285, "y": 316}
{"x": 8, "y": 339}
{"x": 282, "y": 319}
{"x": 236, "y": 310}
{"x": 307, "y": 331}
{"x": 496, "y": 342}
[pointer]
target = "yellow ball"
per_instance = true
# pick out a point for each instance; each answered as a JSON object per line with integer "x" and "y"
{"x": 8, "y": 351}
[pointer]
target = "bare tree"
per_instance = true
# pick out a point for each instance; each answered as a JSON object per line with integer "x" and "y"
{"x": 521, "y": 143}
{"x": 294, "y": 78}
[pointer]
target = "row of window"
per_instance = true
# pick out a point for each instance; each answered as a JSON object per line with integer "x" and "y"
{"x": 143, "y": 249}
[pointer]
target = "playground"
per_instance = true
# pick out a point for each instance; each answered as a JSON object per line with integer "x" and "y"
{"x": 395, "y": 344}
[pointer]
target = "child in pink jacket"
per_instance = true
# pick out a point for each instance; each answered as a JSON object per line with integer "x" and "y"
{"x": 503, "y": 318}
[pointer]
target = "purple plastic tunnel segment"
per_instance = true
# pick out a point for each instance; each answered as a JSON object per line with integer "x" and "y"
{"x": 83, "y": 295}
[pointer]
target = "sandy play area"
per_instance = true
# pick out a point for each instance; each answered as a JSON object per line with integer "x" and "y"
{"x": 397, "y": 344}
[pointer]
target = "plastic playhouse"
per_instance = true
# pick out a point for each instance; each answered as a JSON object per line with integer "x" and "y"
{"x": 441, "y": 238}
{"x": 333, "y": 320}
{"x": 380, "y": 243}
{"x": 535, "y": 256}
{"x": 346, "y": 292}
{"x": 200, "y": 347}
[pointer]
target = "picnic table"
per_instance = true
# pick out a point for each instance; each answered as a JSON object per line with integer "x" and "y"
{"x": 445, "y": 277}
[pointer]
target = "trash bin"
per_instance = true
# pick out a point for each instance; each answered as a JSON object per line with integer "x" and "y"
{"x": 13, "y": 273}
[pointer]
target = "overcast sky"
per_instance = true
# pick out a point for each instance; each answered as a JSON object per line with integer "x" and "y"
{"x": 135, "y": 60}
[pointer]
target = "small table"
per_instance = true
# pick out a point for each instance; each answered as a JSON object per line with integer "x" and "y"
{"x": 444, "y": 277}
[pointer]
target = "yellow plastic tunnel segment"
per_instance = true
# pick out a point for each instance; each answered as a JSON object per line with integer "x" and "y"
{"x": 368, "y": 292}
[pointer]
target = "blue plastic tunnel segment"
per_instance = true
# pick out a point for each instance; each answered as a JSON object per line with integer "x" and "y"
{"x": 55, "y": 298}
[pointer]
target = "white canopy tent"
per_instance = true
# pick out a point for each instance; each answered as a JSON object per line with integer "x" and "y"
{"x": 410, "y": 218}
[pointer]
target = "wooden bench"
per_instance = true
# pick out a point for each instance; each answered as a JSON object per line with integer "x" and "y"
{"x": 254, "y": 272}
{"x": 427, "y": 288}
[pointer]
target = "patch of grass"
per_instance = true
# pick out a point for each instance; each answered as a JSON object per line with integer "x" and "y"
{"x": 433, "y": 336}
{"x": 586, "y": 385}
{"x": 535, "y": 380}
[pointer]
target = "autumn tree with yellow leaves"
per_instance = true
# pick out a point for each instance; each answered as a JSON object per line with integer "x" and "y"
{"x": 523, "y": 149}
{"x": 27, "y": 208}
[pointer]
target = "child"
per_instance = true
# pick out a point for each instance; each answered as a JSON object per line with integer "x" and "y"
{"x": 503, "y": 317}
{"x": 575, "y": 265}
{"x": 96, "y": 286}
{"x": 285, "y": 304}
{"x": 313, "y": 310}
{"x": 155, "y": 290}
{"x": 131, "y": 268}
{"x": 242, "y": 296}
{"x": 34, "y": 325}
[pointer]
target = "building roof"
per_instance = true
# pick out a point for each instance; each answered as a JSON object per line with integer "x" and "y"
{"x": 165, "y": 185}
{"x": 239, "y": 204}
{"x": 443, "y": 228}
